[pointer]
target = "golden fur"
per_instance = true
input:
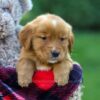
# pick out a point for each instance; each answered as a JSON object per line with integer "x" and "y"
{"x": 38, "y": 38}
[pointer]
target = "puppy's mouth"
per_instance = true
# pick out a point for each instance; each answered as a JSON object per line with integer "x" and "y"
{"x": 54, "y": 57}
{"x": 52, "y": 61}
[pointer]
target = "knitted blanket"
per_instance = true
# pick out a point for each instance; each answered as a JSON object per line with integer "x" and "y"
{"x": 10, "y": 90}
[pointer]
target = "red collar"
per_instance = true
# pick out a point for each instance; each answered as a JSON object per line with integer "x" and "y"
{"x": 43, "y": 79}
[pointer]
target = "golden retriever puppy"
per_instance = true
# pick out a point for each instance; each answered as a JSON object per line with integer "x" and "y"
{"x": 46, "y": 44}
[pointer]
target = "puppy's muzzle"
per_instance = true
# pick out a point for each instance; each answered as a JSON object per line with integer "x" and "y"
{"x": 55, "y": 54}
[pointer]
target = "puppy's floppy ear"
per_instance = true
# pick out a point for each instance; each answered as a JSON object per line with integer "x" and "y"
{"x": 25, "y": 36}
{"x": 70, "y": 39}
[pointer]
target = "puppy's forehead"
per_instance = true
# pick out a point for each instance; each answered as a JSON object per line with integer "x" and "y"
{"x": 54, "y": 22}
{"x": 43, "y": 17}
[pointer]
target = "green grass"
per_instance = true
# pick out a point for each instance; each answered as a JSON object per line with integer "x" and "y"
{"x": 87, "y": 52}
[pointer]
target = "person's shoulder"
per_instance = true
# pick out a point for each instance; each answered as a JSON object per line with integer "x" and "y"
{"x": 77, "y": 65}
{"x": 76, "y": 73}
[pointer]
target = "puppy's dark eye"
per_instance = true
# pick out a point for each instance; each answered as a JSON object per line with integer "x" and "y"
{"x": 43, "y": 37}
{"x": 62, "y": 39}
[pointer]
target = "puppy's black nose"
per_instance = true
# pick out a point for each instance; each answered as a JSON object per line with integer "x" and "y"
{"x": 55, "y": 54}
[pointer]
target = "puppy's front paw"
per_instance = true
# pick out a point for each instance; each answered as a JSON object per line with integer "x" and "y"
{"x": 24, "y": 82}
{"x": 61, "y": 80}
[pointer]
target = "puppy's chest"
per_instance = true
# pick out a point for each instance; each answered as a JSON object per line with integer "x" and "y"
{"x": 43, "y": 67}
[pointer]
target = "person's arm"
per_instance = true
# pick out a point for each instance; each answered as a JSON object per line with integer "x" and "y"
{"x": 75, "y": 80}
{"x": 8, "y": 75}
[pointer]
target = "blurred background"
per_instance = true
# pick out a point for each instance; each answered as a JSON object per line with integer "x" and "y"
{"x": 84, "y": 16}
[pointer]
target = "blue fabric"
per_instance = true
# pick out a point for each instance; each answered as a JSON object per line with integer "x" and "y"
{"x": 76, "y": 74}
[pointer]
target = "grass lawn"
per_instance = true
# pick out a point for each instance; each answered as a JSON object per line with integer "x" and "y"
{"x": 87, "y": 52}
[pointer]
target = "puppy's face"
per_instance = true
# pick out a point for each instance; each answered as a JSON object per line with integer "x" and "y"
{"x": 49, "y": 37}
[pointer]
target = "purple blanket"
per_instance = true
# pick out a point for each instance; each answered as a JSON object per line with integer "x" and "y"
{"x": 10, "y": 90}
